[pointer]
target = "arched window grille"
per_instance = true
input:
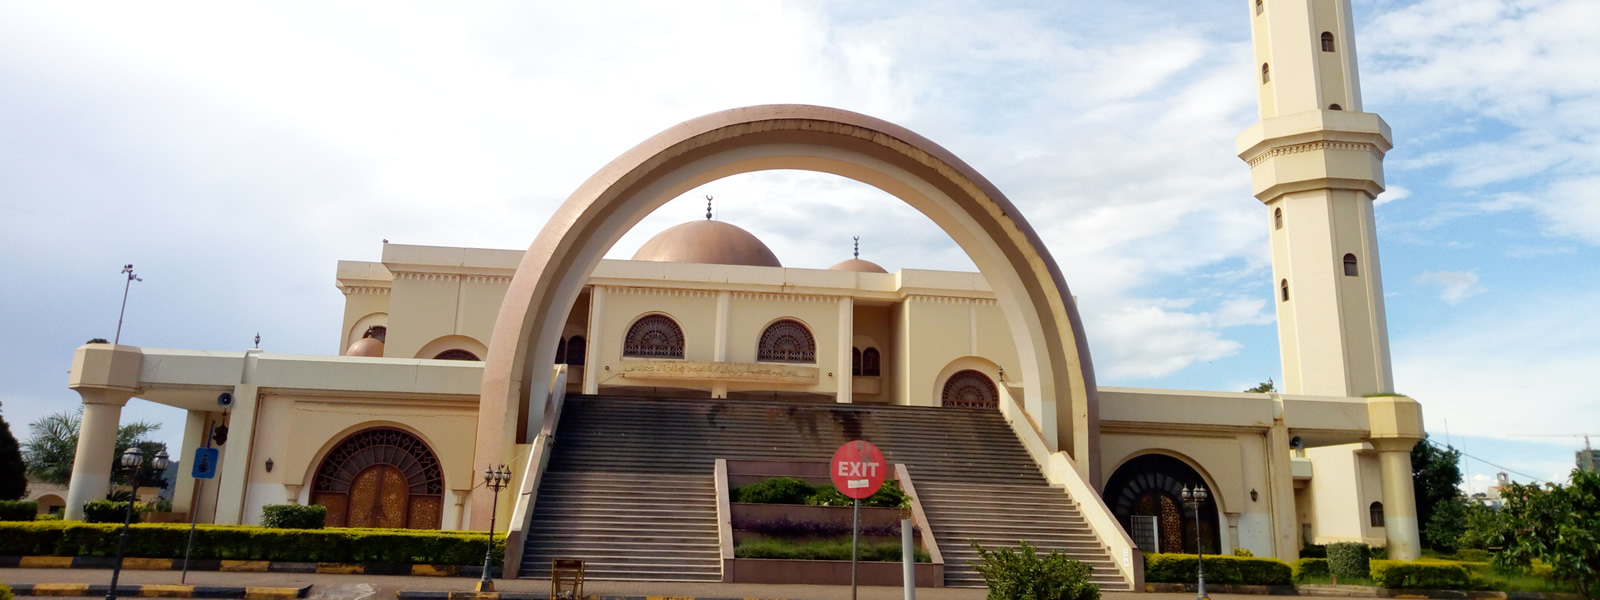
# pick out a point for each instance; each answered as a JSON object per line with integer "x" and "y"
{"x": 787, "y": 341}
{"x": 456, "y": 354}
{"x": 1375, "y": 512}
{"x": 1327, "y": 41}
{"x": 855, "y": 361}
{"x": 1283, "y": 287}
{"x": 654, "y": 336}
{"x": 561, "y": 351}
{"x": 970, "y": 389}
{"x": 1266, "y": 73}
{"x": 1277, "y": 218}
{"x": 380, "y": 477}
{"x": 869, "y": 362}
{"x": 577, "y": 351}
{"x": 1350, "y": 268}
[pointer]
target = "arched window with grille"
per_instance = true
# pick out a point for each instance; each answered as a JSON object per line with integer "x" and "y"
{"x": 381, "y": 477}
{"x": 1350, "y": 267}
{"x": 1327, "y": 41}
{"x": 577, "y": 351}
{"x": 654, "y": 336}
{"x": 870, "y": 362}
{"x": 787, "y": 340}
{"x": 970, "y": 389}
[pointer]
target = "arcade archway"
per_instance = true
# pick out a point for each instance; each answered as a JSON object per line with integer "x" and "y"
{"x": 380, "y": 477}
{"x": 1146, "y": 495}
{"x": 1057, "y": 378}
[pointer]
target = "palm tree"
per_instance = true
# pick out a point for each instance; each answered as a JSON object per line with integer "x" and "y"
{"x": 54, "y": 446}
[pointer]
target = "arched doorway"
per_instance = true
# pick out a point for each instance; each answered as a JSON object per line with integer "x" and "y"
{"x": 381, "y": 477}
{"x": 970, "y": 389}
{"x": 1055, "y": 372}
{"x": 1146, "y": 495}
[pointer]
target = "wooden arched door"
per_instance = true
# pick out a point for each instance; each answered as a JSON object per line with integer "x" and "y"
{"x": 381, "y": 478}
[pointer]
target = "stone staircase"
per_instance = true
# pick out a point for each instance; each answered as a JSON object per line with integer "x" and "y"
{"x": 629, "y": 486}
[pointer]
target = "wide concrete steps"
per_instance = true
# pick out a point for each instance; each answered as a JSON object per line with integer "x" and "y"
{"x": 626, "y": 526}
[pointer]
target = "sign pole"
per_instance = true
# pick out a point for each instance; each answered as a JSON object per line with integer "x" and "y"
{"x": 193, "y": 514}
{"x": 855, "y": 547}
{"x": 908, "y": 555}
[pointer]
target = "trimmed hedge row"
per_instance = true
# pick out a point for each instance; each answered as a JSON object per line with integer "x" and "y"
{"x": 294, "y": 516}
{"x": 18, "y": 510}
{"x": 1421, "y": 575}
{"x": 242, "y": 542}
{"x": 1310, "y": 568}
{"x": 1181, "y": 568}
{"x": 1349, "y": 560}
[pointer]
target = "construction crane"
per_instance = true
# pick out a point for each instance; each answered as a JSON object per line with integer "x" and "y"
{"x": 1587, "y": 460}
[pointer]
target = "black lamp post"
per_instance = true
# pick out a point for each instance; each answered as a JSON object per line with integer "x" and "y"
{"x": 132, "y": 459}
{"x": 1194, "y": 498}
{"x": 494, "y": 479}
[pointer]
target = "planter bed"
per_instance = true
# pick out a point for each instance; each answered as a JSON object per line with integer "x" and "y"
{"x": 828, "y": 572}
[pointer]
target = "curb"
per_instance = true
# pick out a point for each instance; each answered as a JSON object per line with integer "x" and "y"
{"x": 161, "y": 591}
{"x": 240, "y": 566}
{"x": 414, "y": 595}
{"x": 1345, "y": 591}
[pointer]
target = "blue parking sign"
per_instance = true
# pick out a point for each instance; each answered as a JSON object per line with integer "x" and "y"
{"x": 205, "y": 463}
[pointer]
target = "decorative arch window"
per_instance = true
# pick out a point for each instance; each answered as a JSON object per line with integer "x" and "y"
{"x": 787, "y": 341}
{"x": 855, "y": 361}
{"x": 1375, "y": 513}
{"x": 1277, "y": 218}
{"x": 1350, "y": 268}
{"x": 1261, "y": 5}
{"x": 1335, "y": 107}
{"x": 577, "y": 351}
{"x": 1266, "y": 73}
{"x": 456, "y": 354}
{"x": 970, "y": 389}
{"x": 1283, "y": 287}
{"x": 654, "y": 336}
{"x": 381, "y": 477}
{"x": 1327, "y": 41}
{"x": 869, "y": 362}
{"x": 561, "y": 351}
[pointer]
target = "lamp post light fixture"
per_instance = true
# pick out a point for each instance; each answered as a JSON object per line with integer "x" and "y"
{"x": 132, "y": 459}
{"x": 1194, "y": 498}
{"x": 126, "y": 270}
{"x": 496, "y": 480}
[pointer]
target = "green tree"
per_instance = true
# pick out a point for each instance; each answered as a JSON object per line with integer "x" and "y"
{"x": 1263, "y": 387}
{"x": 13, "y": 474}
{"x": 1449, "y": 521}
{"x": 1479, "y": 525}
{"x": 1557, "y": 525}
{"x": 54, "y": 446}
{"x": 1436, "y": 476}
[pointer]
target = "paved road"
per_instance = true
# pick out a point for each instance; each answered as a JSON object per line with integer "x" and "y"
{"x": 383, "y": 587}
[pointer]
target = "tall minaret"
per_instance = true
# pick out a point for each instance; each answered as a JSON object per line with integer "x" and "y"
{"x": 1316, "y": 161}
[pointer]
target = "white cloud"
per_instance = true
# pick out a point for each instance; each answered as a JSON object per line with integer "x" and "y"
{"x": 1454, "y": 286}
{"x": 1153, "y": 338}
{"x": 1394, "y": 192}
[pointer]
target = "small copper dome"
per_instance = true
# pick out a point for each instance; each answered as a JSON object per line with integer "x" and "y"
{"x": 707, "y": 242}
{"x": 365, "y": 347}
{"x": 858, "y": 265}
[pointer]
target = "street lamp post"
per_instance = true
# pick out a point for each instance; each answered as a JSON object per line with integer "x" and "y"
{"x": 126, "y": 270}
{"x": 496, "y": 480}
{"x": 1194, "y": 498}
{"x": 131, "y": 461}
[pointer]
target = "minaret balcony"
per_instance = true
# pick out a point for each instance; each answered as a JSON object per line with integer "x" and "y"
{"x": 1318, "y": 149}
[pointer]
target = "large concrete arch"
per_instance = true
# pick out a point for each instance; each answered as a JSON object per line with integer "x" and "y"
{"x": 1057, "y": 377}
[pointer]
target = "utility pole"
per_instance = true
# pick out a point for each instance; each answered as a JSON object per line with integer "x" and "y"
{"x": 126, "y": 270}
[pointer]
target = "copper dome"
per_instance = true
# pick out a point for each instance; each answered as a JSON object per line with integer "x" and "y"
{"x": 858, "y": 265}
{"x": 707, "y": 242}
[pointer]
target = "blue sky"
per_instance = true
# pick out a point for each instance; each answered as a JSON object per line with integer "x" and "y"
{"x": 234, "y": 153}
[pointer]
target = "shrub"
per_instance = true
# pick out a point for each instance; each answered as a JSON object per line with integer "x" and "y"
{"x": 106, "y": 511}
{"x": 1182, "y": 568}
{"x": 1349, "y": 559}
{"x": 888, "y": 496}
{"x": 1314, "y": 551}
{"x": 5, "y": 592}
{"x": 1377, "y": 553}
{"x": 1024, "y": 575}
{"x": 294, "y": 516}
{"x": 837, "y": 550}
{"x": 777, "y": 490}
{"x": 1473, "y": 555}
{"x": 243, "y": 542}
{"x": 1244, "y": 552}
{"x": 1307, "y": 569}
{"x": 1441, "y": 575}
{"x": 18, "y": 510}
{"x": 783, "y": 526}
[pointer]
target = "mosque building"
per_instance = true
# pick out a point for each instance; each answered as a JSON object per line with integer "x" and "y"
{"x": 584, "y": 374}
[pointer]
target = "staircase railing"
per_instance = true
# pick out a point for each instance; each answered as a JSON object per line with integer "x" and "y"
{"x": 538, "y": 459}
{"x": 1058, "y": 469}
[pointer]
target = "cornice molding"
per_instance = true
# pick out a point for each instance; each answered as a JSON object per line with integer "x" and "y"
{"x": 1313, "y": 147}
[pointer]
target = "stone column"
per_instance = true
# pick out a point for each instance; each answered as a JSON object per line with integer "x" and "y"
{"x": 194, "y": 432}
{"x": 591, "y": 361}
{"x": 1399, "y": 498}
{"x": 847, "y": 331}
{"x": 97, "y": 443}
{"x": 719, "y": 348}
{"x": 1280, "y": 478}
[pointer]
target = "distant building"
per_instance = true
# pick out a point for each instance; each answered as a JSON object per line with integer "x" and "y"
{"x": 1588, "y": 459}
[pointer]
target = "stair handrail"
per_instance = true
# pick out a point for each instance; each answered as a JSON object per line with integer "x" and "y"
{"x": 538, "y": 460}
{"x": 918, "y": 516}
{"x": 724, "y": 519}
{"x": 1058, "y": 469}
